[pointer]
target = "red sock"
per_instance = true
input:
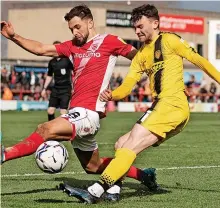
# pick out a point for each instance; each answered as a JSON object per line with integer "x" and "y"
{"x": 27, "y": 147}
{"x": 133, "y": 172}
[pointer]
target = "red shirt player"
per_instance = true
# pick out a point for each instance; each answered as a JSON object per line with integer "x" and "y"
{"x": 94, "y": 58}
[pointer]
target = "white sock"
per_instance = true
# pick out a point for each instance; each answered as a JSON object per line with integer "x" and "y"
{"x": 96, "y": 190}
{"x": 114, "y": 190}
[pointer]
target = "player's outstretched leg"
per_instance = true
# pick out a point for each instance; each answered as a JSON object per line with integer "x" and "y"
{"x": 57, "y": 129}
{"x": 93, "y": 164}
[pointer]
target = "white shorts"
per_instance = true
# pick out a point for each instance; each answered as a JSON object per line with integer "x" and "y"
{"x": 86, "y": 125}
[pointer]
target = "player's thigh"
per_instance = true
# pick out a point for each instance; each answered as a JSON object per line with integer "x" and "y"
{"x": 165, "y": 118}
{"x": 140, "y": 138}
{"x": 59, "y": 129}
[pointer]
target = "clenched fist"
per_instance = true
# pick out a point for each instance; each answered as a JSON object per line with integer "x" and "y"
{"x": 7, "y": 30}
{"x": 106, "y": 95}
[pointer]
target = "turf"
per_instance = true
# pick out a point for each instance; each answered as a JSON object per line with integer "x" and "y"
{"x": 198, "y": 146}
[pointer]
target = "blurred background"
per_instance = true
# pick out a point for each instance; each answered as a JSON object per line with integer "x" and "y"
{"x": 23, "y": 74}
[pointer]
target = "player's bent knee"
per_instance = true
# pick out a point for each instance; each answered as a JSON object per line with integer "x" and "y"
{"x": 44, "y": 130}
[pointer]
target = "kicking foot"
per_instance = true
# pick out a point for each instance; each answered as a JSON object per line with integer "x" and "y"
{"x": 81, "y": 194}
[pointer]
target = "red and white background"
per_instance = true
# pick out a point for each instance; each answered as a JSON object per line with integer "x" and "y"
{"x": 180, "y": 23}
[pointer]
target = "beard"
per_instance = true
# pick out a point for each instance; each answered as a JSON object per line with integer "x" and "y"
{"x": 80, "y": 42}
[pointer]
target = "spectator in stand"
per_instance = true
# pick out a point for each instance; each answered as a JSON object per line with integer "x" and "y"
{"x": 203, "y": 91}
{"x": 24, "y": 80}
{"x": 37, "y": 93}
{"x": 7, "y": 93}
{"x": 119, "y": 79}
{"x": 212, "y": 91}
{"x": 141, "y": 94}
{"x": 4, "y": 77}
{"x": 33, "y": 80}
{"x": 13, "y": 79}
{"x": 112, "y": 81}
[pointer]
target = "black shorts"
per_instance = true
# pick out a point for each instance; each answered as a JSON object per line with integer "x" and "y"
{"x": 59, "y": 98}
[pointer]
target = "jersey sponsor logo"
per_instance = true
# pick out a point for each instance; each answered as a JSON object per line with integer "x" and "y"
{"x": 157, "y": 54}
{"x": 63, "y": 71}
{"x": 156, "y": 67}
{"x": 87, "y": 55}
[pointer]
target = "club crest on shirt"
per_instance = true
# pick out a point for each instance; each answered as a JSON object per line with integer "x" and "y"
{"x": 157, "y": 54}
{"x": 63, "y": 71}
{"x": 93, "y": 47}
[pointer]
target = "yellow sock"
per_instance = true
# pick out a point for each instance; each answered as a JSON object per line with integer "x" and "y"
{"x": 118, "y": 166}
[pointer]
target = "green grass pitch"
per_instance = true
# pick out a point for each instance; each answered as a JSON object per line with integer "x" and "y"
{"x": 188, "y": 166}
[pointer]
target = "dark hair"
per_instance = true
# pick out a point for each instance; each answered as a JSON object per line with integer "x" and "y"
{"x": 150, "y": 11}
{"x": 56, "y": 42}
{"x": 81, "y": 11}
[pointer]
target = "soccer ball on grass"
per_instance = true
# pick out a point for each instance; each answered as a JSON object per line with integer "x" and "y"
{"x": 51, "y": 157}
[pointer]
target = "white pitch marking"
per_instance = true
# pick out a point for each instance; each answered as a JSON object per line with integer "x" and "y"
{"x": 82, "y": 172}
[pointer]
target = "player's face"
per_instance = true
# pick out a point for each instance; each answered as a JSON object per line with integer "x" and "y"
{"x": 80, "y": 29}
{"x": 144, "y": 28}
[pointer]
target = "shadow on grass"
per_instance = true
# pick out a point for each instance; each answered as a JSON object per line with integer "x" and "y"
{"x": 139, "y": 189}
{"x": 56, "y": 201}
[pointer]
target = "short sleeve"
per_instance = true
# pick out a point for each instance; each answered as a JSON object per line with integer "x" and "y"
{"x": 64, "y": 49}
{"x": 50, "y": 69}
{"x": 119, "y": 46}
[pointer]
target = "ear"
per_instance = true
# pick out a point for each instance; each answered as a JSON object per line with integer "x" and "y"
{"x": 156, "y": 24}
{"x": 90, "y": 23}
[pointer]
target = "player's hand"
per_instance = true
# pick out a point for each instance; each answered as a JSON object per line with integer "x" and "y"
{"x": 106, "y": 95}
{"x": 7, "y": 30}
{"x": 43, "y": 93}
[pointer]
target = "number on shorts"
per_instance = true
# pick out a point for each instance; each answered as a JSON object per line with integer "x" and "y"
{"x": 74, "y": 115}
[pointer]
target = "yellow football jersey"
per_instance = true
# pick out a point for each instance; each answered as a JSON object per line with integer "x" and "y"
{"x": 162, "y": 61}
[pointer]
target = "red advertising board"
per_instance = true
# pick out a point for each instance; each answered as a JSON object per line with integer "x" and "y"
{"x": 180, "y": 23}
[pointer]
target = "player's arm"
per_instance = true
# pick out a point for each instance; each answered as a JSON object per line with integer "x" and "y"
{"x": 183, "y": 49}
{"x": 131, "y": 54}
{"x": 133, "y": 76}
{"x": 120, "y": 48}
{"x": 31, "y": 46}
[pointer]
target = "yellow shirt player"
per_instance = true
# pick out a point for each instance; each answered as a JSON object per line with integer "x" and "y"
{"x": 161, "y": 58}
{"x": 162, "y": 61}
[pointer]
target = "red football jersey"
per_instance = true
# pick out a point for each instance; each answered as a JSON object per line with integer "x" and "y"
{"x": 93, "y": 66}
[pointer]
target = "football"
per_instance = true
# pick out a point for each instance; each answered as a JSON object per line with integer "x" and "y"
{"x": 51, "y": 157}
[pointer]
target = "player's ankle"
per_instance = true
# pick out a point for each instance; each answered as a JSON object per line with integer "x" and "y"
{"x": 96, "y": 190}
{"x": 114, "y": 190}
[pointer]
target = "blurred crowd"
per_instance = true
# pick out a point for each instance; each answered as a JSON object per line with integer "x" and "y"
{"x": 23, "y": 85}
{"x": 28, "y": 86}
{"x": 199, "y": 92}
